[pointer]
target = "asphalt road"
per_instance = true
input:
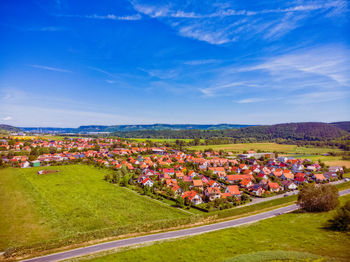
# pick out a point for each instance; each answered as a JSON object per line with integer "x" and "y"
{"x": 167, "y": 235}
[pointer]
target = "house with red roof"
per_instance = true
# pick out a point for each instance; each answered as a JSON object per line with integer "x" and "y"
{"x": 274, "y": 187}
{"x": 212, "y": 193}
{"x": 193, "y": 196}
{"x": 233, "y": 190}
{"x": 147, "y": 182}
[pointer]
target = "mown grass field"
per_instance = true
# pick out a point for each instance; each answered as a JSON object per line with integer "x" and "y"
{"x": 291, "y": 237}
{"x": 73, "y": 201}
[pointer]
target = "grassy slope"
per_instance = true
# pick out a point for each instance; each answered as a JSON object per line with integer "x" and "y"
{"x": 300, "y": 232}
{"x": 74, "y": 200}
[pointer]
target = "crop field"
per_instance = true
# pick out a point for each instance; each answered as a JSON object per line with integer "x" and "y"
{"x": 345, "y": 163}
{"x": 267, "y": 147}
{"x": 292, "y": 237}
{"x": 73, "y": 201}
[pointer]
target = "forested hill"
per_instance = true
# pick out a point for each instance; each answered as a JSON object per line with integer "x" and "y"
{"x": 127, "y": 128}
{"x": 345, "y": 125}
{"x": 8, "y": 128}
{"x": 295, "y": 131}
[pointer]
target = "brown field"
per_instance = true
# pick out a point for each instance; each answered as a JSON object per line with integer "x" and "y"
{"x": 345, "y": 163}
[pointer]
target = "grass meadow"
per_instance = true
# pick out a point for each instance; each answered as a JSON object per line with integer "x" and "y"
{"x": 312, "y": 153}
{"x": 267, "y": 147}
{"x": 73, "y": 201}
{"x": 289, "y": 237}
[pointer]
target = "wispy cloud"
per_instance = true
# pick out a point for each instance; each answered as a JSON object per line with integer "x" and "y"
{"x": 221, "y": 24}
{"x": 251, "y": 100}
{"x": 201, "y": 62}
{"x": 133, "y": 17}
{"x": 319, "y": 97}
{"x": 323, "y": 70}
{"x": 49, "y": 68}
{"x": 6, "y": 118}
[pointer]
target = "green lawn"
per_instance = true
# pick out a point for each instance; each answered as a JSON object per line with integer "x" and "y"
{"x": 294, "y": 236}
{"x": 72, "y": 202}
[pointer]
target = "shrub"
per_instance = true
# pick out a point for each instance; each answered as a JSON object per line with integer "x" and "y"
{"x": 341, "y": 220}
{"x": 318, "y": 198}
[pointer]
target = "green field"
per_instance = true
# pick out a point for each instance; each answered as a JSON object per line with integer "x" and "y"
{"x": 162, "y": 140}
{"x": 292, "y": 237}
{"x": 267, "y": 147}
{"x": 70, "y": 203}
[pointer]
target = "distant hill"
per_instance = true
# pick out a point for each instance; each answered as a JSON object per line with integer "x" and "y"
{"x": 345, "y": 125}
{"x": 126, "y": 128}
{"x": 9, "y": 128}
{"x": 293, "y": 131}
{"x": 303, "y": 131}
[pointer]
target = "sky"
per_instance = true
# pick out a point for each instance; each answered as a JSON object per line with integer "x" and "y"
{"x": 66, "y": 63}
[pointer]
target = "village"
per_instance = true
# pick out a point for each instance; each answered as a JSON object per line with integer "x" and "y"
{"x": 207, "y": 180}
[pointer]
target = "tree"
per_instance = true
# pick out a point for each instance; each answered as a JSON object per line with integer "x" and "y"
{"x": 318, "y": 198}
{"x": 341, "y": 220}
{"x": 180, "y": 202}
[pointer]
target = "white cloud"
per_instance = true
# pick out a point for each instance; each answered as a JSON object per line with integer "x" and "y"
{"x": 323, "y": 70}
{"x": 6, "y": 118}
{"x": 201, "y": 62}
{"x": 221, "y": 24}
{"x": 251, "y": 100}
{"x": 133, "y": 17}
{"x": 49, "y": 68}
{"x": 110, "y": 81}
{"x": 331, "y": 62}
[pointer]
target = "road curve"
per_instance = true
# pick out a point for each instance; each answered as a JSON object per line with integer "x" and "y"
{"x": 166, "y": 235}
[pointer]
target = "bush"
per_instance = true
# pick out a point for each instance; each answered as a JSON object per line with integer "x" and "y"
{"x": 341, "y": 220}
{"x": 318, "y": 198}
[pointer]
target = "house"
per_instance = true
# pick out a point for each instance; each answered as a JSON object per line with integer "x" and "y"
{"x": 257, "y": 190}
{"x": 289, "y": 185}
{"x": 25, "y": 164}
{"x": 235, "y": 178}
{"x": 169, "y": 171}
{"x": 299, "y": 180}
{"x": 287, "y": 174}
{"x": 217, "y": 170}
{"x": 147, "y": 182}
{"x": 35, "y": 163}
{"x": 213, "y": 183}
{"x": 177, "y": 190}
{"x": 246, "y": 183}
{"x": 212, "y": 193}
{"x": 197, "y": 183}
{"x": 193, "y": 196}
{"x": 336, "y": 169}
{"x": 233, "y": 190}
{"x": 319, "y": 177}
{"x": 274, "y": 187}
{"x": 331, "y": 175}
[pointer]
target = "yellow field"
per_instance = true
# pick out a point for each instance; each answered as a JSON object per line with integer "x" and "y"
{"x": 345, "y": 163}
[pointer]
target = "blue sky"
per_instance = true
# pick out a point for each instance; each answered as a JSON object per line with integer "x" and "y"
{"x": 69, "y": 63}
